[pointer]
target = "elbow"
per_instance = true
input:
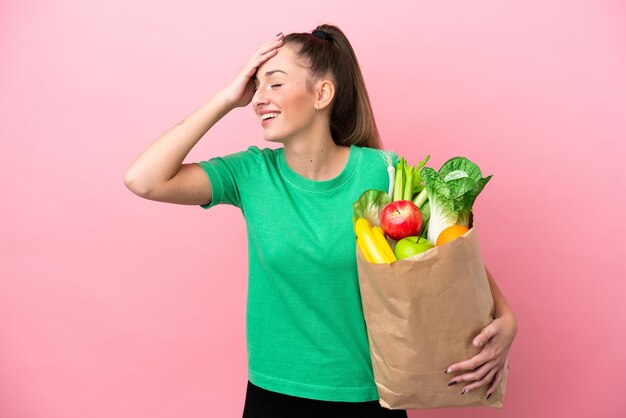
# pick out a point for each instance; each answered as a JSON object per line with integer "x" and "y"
{"x": 135, "y": 185}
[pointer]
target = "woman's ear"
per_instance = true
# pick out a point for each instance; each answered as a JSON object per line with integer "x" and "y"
{"x": 325, "y": 92}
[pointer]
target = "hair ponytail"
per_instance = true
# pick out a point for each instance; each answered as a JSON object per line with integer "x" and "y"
{"x": 328, "y": 52}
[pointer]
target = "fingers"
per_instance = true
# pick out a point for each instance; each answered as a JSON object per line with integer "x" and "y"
{"x": 491, "y": 345}
{"x": 240, "y": 91}
{"x": 480, "y": 377}
{"x": 486, "y": 367}
{"x": 496, "y": 382}
{"x": 475, "y": 374}
{"x": 472, "y": 364}
{"x": 268, "y": 47}
{"x": 485, "y": 335}
{"x": 262, "y": 54}
{"x": 256, "y": 61}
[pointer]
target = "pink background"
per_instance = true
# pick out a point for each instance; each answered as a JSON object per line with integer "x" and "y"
{"x": 115, "y": 306}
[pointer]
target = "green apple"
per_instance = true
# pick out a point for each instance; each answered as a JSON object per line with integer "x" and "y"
{"x": 409, "y": 246}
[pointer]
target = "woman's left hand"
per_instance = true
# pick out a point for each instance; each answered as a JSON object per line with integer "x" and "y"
{"x": 487, "y": 367}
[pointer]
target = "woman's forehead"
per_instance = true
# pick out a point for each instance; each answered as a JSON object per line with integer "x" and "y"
{"x": 285, "y": 61}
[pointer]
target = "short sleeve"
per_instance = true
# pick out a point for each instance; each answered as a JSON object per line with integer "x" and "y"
{"x": 227, "y": 174}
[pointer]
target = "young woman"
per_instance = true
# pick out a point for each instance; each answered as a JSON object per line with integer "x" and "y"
{"x": 308, "y": 353}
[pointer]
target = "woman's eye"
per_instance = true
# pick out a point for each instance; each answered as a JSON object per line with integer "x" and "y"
{"x": 275, "y": 85}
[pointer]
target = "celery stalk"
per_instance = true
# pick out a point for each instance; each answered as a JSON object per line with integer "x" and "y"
{"x": 408, "y": 183}
{"x": 399, "y": 181}
{"x": 421, "y": 198}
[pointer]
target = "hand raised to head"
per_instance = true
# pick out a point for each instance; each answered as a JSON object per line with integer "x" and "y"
{"x": 240, "y": 91}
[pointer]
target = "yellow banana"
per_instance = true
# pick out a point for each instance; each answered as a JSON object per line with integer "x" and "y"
{"x": 364, "y": 251}
{"x": 365, "y": 235}
{"x": 379, "y": 235}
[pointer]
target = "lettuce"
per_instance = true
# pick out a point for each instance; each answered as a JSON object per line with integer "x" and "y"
{"x": 370, "y": 205}
{"x": 451, "y": 193}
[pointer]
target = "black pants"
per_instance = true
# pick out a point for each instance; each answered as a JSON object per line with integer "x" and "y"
{"x": 262, "y": 403}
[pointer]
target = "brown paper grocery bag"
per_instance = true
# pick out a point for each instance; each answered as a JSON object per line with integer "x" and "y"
{"x": 422, "y": 314}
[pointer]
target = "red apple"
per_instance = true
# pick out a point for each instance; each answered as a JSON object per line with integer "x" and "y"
{"x": 401, "y": 219}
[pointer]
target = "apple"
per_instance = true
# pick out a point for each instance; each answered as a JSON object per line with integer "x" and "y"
{"x": 409, "y": 246}
{"x": 401, "y": 219}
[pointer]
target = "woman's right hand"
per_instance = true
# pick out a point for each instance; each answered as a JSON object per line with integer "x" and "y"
{"x": 240, "y": 91}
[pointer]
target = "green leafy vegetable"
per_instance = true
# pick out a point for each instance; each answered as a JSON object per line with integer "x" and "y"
{"x": 370, "y": 205}
{"x": 451, "y": 193}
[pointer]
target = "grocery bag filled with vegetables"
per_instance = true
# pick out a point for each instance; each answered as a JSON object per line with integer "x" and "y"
{"x": 423, "y": 283}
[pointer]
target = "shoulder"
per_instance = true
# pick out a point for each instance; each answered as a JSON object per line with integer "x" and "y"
{"x": 263, "y": 152}
{"x": 263, "y": 158}
{"x": 238, "y": 165}
{"x": 255, "y": 153}
{"x": 374, "y": 156}
{"x": 252, "y": 155}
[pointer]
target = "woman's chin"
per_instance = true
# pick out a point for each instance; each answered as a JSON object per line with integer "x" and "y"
{"x": 273, "y": 138}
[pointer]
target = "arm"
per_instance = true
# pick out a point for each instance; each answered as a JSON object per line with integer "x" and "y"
{"x": 501, "y": 307}
{"x": 159, "y": 173}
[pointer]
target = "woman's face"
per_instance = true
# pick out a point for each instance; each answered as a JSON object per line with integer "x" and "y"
{"x": 286, "y": 109}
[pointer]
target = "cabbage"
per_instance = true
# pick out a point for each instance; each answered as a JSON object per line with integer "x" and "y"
{"x": 370, "y": 205}
{"x": 451, "y": 193}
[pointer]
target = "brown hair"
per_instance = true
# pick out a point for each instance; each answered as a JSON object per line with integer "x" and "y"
{"x": 327, "y": 52}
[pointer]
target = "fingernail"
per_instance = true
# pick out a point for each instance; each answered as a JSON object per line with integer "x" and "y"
{"x": 452, "y": 383}
{"x": 489, "y": 395}
{"x": 464, "y": 391}
{"x": 278, "y": 34}
{"x": 448, "y": 371}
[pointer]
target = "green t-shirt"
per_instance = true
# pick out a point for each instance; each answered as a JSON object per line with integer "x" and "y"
{"x": 305, "y": 329}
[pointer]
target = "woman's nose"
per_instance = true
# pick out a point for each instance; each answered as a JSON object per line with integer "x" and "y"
{"x": 259, "y": 98}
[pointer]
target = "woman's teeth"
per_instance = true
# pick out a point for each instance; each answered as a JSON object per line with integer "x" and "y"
{"x": 269, "y": 116}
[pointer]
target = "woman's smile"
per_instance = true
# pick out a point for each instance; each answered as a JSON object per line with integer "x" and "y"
{"x": 268, "y": 116}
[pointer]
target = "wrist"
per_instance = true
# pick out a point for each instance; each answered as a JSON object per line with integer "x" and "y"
{"x": 223, "y": 100}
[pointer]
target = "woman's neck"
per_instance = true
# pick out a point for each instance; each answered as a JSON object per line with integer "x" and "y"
{"x": 319, "y": 159}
